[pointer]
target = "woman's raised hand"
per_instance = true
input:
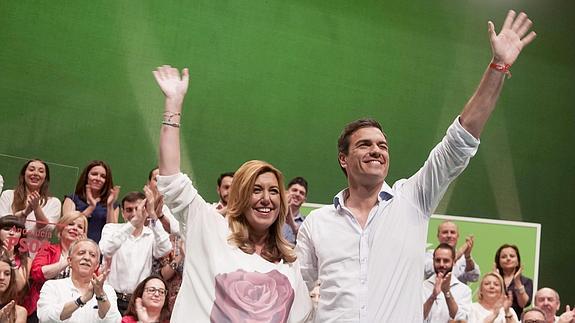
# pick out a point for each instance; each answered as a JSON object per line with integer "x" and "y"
{"x": 171, "y": 83}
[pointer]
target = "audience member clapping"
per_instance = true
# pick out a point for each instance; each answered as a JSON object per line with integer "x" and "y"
{"x": 11, "y": 229}
{"x": 171, "y": 268}
{"x": 508, "y": 264}
{"x": 51, "y": 262}
{"x": 84, "y": 296}
{"x": 547, "y": 299}
{"x": 95, "y": 196}
{"x": 31, "y": 201}
{"x": 149, "y": 304}
{"x": 9, "y": 311}
{"x": 169, "y": 222}
{"x": 133, "y": 245}
{"x": 494, "y": 305}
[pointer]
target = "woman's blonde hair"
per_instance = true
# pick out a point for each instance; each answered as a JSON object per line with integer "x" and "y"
{"x": 498, "y": 277}
{"x": 70, "y": 217}
{"x": 277, "y": 247}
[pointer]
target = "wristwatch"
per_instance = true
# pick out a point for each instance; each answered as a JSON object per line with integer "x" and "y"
{"x": 447, "y": 294}
{"x": 102, "y": 298}
{"x": 79, "y": 302}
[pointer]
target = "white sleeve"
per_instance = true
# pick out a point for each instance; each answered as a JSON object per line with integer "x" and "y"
{"x": 445, "y": 162}
{"x": 50, "y": 305}
{"x": 305, "y": 251}
{"x": 113, "y": 236}
{"x": 6, "y": 202}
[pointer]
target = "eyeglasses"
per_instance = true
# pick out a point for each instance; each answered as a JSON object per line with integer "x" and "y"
{"x": 153, "y": 290}
{"x": 534, "y": 321}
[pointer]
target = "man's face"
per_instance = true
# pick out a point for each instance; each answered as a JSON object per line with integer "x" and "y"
{"x": 533, "y": 317}
{"x": 297, "y": 195}
{"x": 84, "y": 259}
{"x": 442, "y": 261}
{"x": 129, "y": 209}
{"x": 546, "y": 300}
{"x": 447, "y": 233}
{"x": 153, "y": 182}
{"x": 224, "y": 189}
{"x": 367, "y": 160}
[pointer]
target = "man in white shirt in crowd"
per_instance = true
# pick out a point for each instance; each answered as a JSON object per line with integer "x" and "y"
{"x": 168, "y": 220}
{"x": 296, "y": 196}
{"x": 547, "y": 299}
{"x": 83, "y": 297}
{"x": 223, "y": 189}
{"x": 465, "y": 268}
{"x": 445, "y": 297}
{"x": 133, "y": 245}
{"x": 375, "y": 234}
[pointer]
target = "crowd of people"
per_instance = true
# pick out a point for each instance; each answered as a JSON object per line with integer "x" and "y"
{"x": 252, "y": 256}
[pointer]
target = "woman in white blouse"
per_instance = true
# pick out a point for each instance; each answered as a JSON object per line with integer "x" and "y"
{"x": 31, "y": 200}
{"x": 493, "y": 306}
{"x": 237, "y": 268}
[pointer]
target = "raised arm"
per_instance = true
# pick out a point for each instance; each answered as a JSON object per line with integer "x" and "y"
{"x": 174, "y": 87}
{"x": 505, "y": 48}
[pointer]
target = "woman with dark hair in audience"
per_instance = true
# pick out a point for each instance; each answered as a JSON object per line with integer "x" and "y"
{"x": 51, "y": 261}
{"x": 494, "y": 305}
{"x": 237, "y": 268}
{"x": 95, "y": 196}
{"x": 31, "y": 202}
{"x": 9, "y": 310}
{"x": 149, "y": 302}
{"x": 11, "y": 229}
{"x": 508, "y": 263}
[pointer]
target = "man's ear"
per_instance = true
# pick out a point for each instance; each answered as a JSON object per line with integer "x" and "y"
{"x": 342, "y": 158}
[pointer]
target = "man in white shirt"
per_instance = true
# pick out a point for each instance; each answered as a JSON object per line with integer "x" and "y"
{"x": 375, "y": 234}
{"x": 445, "y": 297}
{"x": 133, "y": 245}
{"x": 465, "y": 268}
{"x": 83, "y": 297}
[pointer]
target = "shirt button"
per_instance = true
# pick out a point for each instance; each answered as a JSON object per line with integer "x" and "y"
{"x": 363, "y": 307}
{"x": 362, "y": 281}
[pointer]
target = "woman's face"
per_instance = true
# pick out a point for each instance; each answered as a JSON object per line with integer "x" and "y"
{"x": 35, "y": 175}
{"x": 5, "y": 274}
{"x": 10, "y": 236}
{"x": 265, "y": 202}
{"x": 73, "y": 230}
{"x": 154, "y": 295}
{"x": 508, "y": 259}
{"x": 490, "y": 288}
{"x": 97, "y": 178}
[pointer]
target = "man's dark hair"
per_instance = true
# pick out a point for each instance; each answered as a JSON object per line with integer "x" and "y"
{"x": 133, "y": 197}
{"x": 228, "y": 174}
{"x": 446, "y": 247}
{"x": 300, "y": 181}
{"x": 350, "y": 129}
{"x": 536, "y": 309}
{"x": 152, "y": 172}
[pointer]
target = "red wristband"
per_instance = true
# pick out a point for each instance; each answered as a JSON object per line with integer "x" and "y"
{"x": 503, "y": 68}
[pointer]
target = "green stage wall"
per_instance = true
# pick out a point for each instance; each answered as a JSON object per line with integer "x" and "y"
{"x": 277, "y": 80}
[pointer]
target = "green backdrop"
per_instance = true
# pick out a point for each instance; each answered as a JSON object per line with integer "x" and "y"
{"x": 277, "y": 80}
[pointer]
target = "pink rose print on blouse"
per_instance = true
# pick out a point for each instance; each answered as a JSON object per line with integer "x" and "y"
{"x": 252, "y": 297}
